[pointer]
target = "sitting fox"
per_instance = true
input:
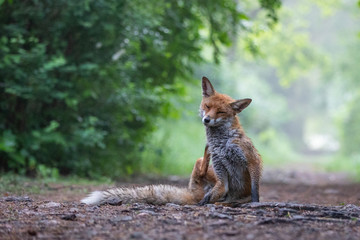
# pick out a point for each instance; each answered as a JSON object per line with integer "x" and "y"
{"x": 236, "y": 162}
{"x": 201, "y": 181}
{"x": 233, "y": 178}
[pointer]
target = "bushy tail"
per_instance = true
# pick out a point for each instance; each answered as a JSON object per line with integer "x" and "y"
{"x": 153, "y": 194}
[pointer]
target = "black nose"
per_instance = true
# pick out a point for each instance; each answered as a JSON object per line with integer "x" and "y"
{"x": 207, "y": 120}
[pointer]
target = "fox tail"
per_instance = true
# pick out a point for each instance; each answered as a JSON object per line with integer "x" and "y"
{"x": 153, "y": 194}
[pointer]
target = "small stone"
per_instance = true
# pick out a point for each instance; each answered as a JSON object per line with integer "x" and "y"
{"x": 32, "y": 232}
{"x": 260, "y": 212}
{"x": 170, "y": 221}
{"x": 177, "y": 216}
{"x": 172, "y": 205}
{"x": 220, "y": 215}
{"x": 50, "y": 205}
{"x": 125, "y": 218}
{"x": 143, "y": 214}
{"x": 69, "y": 217}
{"x": 147, "y": 212}
{"x": 250, "y": 236}
{"x": 137, "y": 235}
{"x": 115, "y": 202}
{"x": 297, "y": 217}
{"x": 351, "y": 208}
{"x": 73, "y": 210}
{"x": 91, "y": 209}
{"x": 114, "y": 221}
{"x": 17, "y": 199}
{"x": 50, "y": 222}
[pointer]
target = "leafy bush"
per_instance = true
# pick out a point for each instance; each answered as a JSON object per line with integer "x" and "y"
{"x": 83, "y": 82}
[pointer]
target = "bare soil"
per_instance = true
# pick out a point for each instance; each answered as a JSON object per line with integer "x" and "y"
{"x": 294, "y": 205}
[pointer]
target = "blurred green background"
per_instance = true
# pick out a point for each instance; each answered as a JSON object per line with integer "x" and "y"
{"x": 111, "y": 88}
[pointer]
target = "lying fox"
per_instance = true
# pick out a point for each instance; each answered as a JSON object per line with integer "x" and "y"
{"x": 236, "y": 162}
{"x": 201, "y": 181}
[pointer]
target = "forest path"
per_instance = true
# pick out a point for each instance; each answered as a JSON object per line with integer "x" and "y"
{"x": 295, "y": 204}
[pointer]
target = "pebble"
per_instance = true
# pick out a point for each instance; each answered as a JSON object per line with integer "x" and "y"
{"x": 143, "y": 214}
{"x": 125, "y": 218}
{"x": 17, "y": 199}
{"x": 138, "y": 235}
{"x": 69, "y": 217}
{"x": 147, "y": 212}
{"x": 50, "y": 205}
{"x": 73, "y": 210}
{"x": 91, "y": 209}
{"x": 250, "y": 236}
{"x": 172, "y": 205}
{"x": 220, "y": 215}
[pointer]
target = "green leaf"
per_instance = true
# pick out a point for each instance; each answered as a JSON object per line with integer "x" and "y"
{"x": 54, "y": 63}
{"x": 52, "y": 126}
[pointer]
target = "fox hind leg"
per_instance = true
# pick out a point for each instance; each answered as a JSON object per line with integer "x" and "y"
{"x": 205, "y": 162}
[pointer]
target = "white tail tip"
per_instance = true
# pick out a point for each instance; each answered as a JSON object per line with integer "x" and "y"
{"x": 94, "y": 198}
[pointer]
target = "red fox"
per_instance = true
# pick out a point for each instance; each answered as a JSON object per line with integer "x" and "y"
{"x": 236, "y": 162}
{"x": 201, "y": 181}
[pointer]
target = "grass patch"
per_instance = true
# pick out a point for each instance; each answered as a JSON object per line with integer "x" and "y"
{"x": 12, "y": 184}
{"x": 349, "y": 164}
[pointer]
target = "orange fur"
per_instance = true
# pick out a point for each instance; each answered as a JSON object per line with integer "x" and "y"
{"x": 202, "y": 180}
{"x": 221, "y": 110}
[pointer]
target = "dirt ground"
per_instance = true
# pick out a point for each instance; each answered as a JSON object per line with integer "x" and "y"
{"x": 294, "y": 205}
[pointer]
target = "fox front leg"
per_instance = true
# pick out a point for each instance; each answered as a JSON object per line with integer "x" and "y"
{"x": 218, "y": 192}
{"x": 255, "y": 172}
{"x": 254, "y": 191}
{"x": 205, "y": 200}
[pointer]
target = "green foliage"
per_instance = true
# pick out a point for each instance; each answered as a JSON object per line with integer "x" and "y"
{"x": 82, "y": 83}
{"x": 302, "y": 83}
{"x": 346, "y": 102}
{"x": 272, "y": 6}
{"x": 349, "y": 163}
{"x": 350, "y": 133}
{"x": 348, "y": 122}
{"x": 175, "y": 146}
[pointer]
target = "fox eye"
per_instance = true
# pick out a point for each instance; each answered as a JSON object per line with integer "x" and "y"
{"x": 220, "y": 112}
{"x": 207, "y": 106}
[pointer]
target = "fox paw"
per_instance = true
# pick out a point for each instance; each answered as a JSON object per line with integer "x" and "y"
{"x": 205, "y": 200}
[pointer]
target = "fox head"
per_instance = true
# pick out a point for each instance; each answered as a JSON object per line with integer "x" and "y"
{"x": 217, "y": 109}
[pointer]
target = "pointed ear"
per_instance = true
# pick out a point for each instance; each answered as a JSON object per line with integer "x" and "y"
{"x": 240, "y": 105}
{"x": 207, "y": 88}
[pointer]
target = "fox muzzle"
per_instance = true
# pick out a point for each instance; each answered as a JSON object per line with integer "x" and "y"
{"x": 206, "y": 120}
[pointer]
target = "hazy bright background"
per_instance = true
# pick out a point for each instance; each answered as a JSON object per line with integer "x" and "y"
{"x": 304, "y": 82}
{"x": 112, "y": 88}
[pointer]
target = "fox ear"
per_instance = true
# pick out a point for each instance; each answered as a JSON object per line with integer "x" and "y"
{"x": 240, "y": 105}
{"x": 207, "y": 88}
